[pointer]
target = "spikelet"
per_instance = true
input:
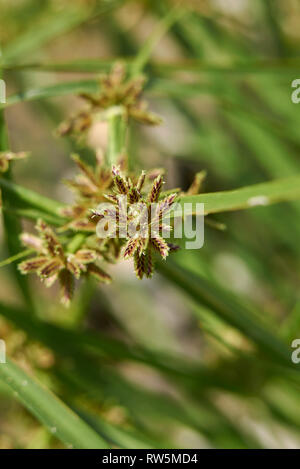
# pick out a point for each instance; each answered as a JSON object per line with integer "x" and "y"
{"x": 51, "y": 268}
{"x": 67, "y": 287}
{"x": 155, "y": 190}
{"x": 149, "y": 270}
{"x": 141, "y": 181}
{"x": 120, "y": 182}
{"x": 32, "y": 265}
{"x": 173, "y": 247}
{"x": 32, "y": 242}
{"x": 196, "y": 185}
{"x": 160, "y": 245}
{"x": 131, "y": 247}
{"x": 51, "y": 242}
{"x": 165, "y": 205}
{"x": 98, "y": 273}
{"x": 133, "y": 195}
{"x": 139, "y": 264}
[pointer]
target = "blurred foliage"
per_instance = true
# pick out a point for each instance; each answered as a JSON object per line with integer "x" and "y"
{"x": 199, "y": 356}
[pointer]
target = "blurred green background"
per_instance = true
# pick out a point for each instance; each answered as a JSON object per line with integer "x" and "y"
{"x": 198, "y": 357}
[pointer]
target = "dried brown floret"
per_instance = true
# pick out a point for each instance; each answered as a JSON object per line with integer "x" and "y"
{"x": 53, "y": 262}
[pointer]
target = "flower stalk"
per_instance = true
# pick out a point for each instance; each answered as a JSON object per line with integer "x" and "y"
{"x": 117, "y": 130}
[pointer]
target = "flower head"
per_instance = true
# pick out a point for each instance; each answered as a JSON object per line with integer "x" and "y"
{"x": 89, "y": 185}
{"x": 142, "y": 223}
{"x": 116, "y": 89}
{"x": 52, "y": 262}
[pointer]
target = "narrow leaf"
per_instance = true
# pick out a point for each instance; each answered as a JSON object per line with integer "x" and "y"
{"x": 49, "y": 410}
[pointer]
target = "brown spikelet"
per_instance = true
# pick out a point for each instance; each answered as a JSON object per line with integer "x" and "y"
{"x": 74, "y": 211}
{"x": 52, "y": 244}
{"x": 86, "y": 169}
{"x": 81, "y": 185}
{"x": 31, "y": 241}
{"x": 163, "y": 229}
{"x": 130, "y": 247}
{"x": 112, "y": 198}
{"x": 67, "y": 286}
{"x": 120, "y": 181}
{"x": 73, "y": 266}
{"x": 89, "y": 98}
{"x": 133, "y": 89}
{"x": 65, "y": 128}
{"x": 49, "y": 281}
{"x": 122, "y": 162}
{"x": 117, "y": 74}
{"x": 154, "y": 173}
{"x": 144, "y": 116}
{"x": 85, "y": 256}
{"x": 76, "y": 124}
{"x": 155, "y": 190}
{"x": 82, "y": 225}
{"x": 32, "y": 265}
{"x": 133, "y": 195}
{"x": 166, "y": 204}
{"x": 149, "y": 263}
{"x": 141, "y": 181}
{"x": 98, "y": 273}
{"x": 129, "y": 183}
{"x": 82, "y": 122}
{"x": 160, "y": 245}
{"x": 195, "y": 187}
{"x": 139, "y": 265}
{"x": 173, "y": 247}
{"x": 51, "y": 268}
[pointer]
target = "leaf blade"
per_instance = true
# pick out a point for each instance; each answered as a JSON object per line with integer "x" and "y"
{"x": 280, "y": 190}
{"x": 50, "y": 410}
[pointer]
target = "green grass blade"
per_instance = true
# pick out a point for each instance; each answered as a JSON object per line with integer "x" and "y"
{"x": 67, "y": 341}
{"x": 219, "y": 301}
{"x": 162, "y": 27}
{"x": 12, "y": 224}
{"x": 123, "y": 438}
{"x": 28, "y": 198}
{"x": 253, "y": 67}
{"x": 16, "y": 257}
{"x": 159, "y": 87}
{"x": 59, "y": 89}
{"x": 51, "y": 24}
{"x": 161, "y": 68}
{"x": 31, "y": 214}
{"x": 49, "y": 410}
{"x": 290, "y": 329}
{"x": 45, "y": 29}
{"x": 271, "y": 152}
{"x": 280, "y": 190}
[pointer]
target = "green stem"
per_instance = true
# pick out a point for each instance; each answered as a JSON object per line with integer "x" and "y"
{"x": 12, "y": 225}
{"x": 16, "y": 257}
{"x": 76, "y": 242}
{"x": 117, "y": 129}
